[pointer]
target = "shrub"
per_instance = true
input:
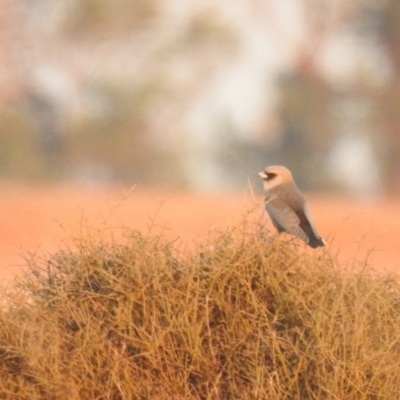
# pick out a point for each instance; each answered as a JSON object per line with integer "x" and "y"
{"x": 243, "y": 315}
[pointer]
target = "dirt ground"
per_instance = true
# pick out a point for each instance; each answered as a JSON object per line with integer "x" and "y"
{"x": 41, "y": 220}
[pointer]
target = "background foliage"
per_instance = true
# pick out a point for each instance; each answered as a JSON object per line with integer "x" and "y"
{"x": 201, "y": 96}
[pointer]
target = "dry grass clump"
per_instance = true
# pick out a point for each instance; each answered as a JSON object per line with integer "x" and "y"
{"x": 241, "y": 317}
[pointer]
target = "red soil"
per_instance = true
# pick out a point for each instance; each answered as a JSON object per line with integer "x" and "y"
{"x": 42, "y": 219}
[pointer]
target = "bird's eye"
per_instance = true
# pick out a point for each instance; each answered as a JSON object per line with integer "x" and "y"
{"x": 270, "y": 175}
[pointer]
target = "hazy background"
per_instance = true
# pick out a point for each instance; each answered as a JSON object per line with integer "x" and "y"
{"x": 201, "y": 95}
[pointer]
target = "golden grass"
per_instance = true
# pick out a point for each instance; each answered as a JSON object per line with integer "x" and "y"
{"x": 242, "y": 316}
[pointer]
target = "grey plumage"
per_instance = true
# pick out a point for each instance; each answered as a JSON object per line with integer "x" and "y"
{"x": 287, "y": 206}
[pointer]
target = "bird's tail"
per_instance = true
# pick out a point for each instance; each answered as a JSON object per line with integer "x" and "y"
{"x": 316, "y": 241}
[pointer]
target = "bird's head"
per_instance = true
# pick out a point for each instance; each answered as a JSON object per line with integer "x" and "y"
{"x": 274, "y": 176}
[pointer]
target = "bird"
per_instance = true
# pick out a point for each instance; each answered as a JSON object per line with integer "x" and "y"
{"x": 287, "y": 207}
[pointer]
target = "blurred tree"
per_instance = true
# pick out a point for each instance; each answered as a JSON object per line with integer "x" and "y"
{"x": 50, "y": 130}
{"x": 306, "y": 99}
{"x": 305, "y": 109}
{"x": 99, "y": 18}
{"x": 319, "y": 115}
{"x": 161, "y": 91}
{"x": 388, "y": 98}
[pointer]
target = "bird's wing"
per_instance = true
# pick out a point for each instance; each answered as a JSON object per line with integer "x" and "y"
{"x": 308, "y": 225}
{"x": 287, "y": 219}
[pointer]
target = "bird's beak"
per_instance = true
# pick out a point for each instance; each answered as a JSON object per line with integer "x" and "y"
{"x": 262, "y": 175}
